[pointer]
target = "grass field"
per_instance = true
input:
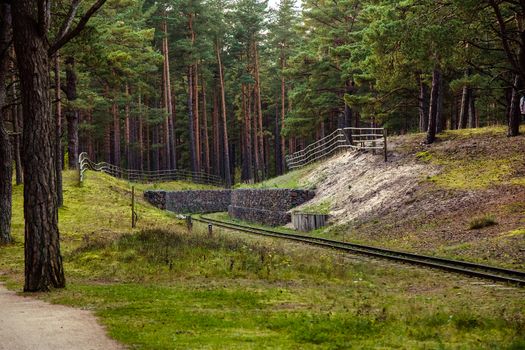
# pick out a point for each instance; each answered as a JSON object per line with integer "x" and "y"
{"x": 161, "y": 287}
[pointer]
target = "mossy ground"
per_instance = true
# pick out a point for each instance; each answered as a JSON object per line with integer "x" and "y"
{"x": 161, "y": 287}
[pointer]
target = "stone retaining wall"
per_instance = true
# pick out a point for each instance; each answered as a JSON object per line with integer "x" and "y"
{"x": 261, "y": 216}
{"x": 266, "y": 206}
{"x": 190, "y": 202}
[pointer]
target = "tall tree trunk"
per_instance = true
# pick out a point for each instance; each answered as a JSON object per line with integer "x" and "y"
{"x": 127, "y": 130}
{"x": 72, "y": 114}
{"x": 434, "y": 97}
{"x": 43, "y": 261}
{"x": 17, "y": 118}
{"x": 215, "y": 131}
{"x": 248, "y": 161}
{"x": 439, "y": 113}
{"x": 472, "y": 109}
{"x": 116, "y": 132}
{"x": 283, "y": 112}
{"x": 196, "y": 116}
{"x": 140, "y": 136}
{"x": 423, "y": 104}
{"x": 515, "y": 113}
{"x": 58, "y": 132}
{"x": 252, "y": 106}
{"x": 260, "y": 133}
{"x": 206, "y": 143}
{"x": 191, "y": 123}
{"x": 465, "y": 98}
{"x": 227, "y": 172}
{"x": 168, "y": 123}
{"x": 277, "y": 144}
{"x": 6, "y": 160}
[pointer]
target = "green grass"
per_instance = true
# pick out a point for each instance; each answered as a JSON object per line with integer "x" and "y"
{"x": 293, "y": 179}
{"x": 161, "y": 287}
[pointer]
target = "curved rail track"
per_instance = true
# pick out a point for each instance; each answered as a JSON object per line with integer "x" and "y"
{"x": 467, "y": 268}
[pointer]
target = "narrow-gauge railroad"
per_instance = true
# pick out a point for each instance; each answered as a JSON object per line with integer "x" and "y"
{"x": 467, "y": 268}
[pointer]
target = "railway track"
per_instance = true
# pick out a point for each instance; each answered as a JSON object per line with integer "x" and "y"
{"x": 467, "y": 268}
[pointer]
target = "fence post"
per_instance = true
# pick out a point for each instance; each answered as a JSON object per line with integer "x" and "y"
{"x": 189, "y": 223}
{"x": 133, "y": 218}
{"x": 210, "y": 230}
{"x": 384, "y": 144}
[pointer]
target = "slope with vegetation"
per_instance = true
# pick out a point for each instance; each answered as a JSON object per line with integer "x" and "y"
{"x": 160, "y": 286}
{"x": 461, "y": 197}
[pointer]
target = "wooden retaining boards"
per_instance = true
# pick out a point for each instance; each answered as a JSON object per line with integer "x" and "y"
{"x": 308, "y": 221}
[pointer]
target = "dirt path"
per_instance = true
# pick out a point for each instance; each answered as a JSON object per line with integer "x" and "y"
{"x": 28, "y": 323}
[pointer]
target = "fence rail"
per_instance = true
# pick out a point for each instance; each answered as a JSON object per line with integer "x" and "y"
{"x": 343, "y": 138}
{"x": 147, "y": 176}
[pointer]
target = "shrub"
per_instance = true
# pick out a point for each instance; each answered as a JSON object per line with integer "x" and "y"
{"x": 482, "y": 221}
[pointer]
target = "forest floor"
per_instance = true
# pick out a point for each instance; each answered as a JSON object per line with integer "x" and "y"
{"x": 427, "y": 198}
{"x": 159, "y": 286}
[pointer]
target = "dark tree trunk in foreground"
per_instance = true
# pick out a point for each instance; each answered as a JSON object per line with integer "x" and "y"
{"x": 72, "y": 114}
{"x": 43, "y": 262}
{"x": 515, "y": 113}
{"x": 434, "y": 104}
{"x": 6, "y": 161}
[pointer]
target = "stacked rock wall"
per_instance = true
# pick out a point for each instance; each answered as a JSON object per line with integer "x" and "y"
{"x": 266, "y": 206}
{"x": 189, "y": 202}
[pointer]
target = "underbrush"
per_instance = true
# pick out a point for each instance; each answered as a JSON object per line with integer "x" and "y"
{"x": 161, "y": 287}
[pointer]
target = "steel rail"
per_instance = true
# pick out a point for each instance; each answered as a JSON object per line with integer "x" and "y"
{"x": 457, "y": 266}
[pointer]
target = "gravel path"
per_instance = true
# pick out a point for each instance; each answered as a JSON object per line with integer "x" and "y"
{"x": 28, "y": 323}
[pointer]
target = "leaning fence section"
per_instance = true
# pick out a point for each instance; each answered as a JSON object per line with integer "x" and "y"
{"x": 343, "y": 138}
{"x": 147, "y": 176}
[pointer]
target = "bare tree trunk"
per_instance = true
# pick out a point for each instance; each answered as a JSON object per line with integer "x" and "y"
{"x": 215, "y": 131}
{"x": 140, "y": 136}
{"x": 116, "y": 132}
{"x": 423, "y": 104}
{"x": 191, "y": 123}
{"x": 277, "y": 144}
{"x": 17, "y": 117}
{"x": 283, "y": 107}
{"x": 260, "y": 134}
{"x": 127, "y": 130}
{"x": 196, "y": 124}
{"x": 205, "y": 128}
{"x": 465, "y": 97}
{"x": 72, "y": 114}
{"x": 439, "y": 113}
{"x": 58, "y": 132}
{"x": 472, "y": 109}
{"x": 43, "y": 261}
{"x": 515, "y": 113}
{"x": 6, "y": 160}
{"x": 227, "y": 172}
{"x": 434, "y": 97}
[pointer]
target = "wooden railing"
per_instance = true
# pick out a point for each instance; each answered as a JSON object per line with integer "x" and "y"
{"x": 344, "y": 138}
{"x": 147, "y": 176}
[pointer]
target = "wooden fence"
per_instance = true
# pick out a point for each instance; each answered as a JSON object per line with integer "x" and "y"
{"x": 147, "y": 176}
{"x": 343, "y": 138}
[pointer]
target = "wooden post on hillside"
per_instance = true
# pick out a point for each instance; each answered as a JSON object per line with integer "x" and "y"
{"x": 189, "y": 223}
{"x": 210, "y": 230}
{"x": 384, "y": 144}
{"x": 133, "y": 215}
